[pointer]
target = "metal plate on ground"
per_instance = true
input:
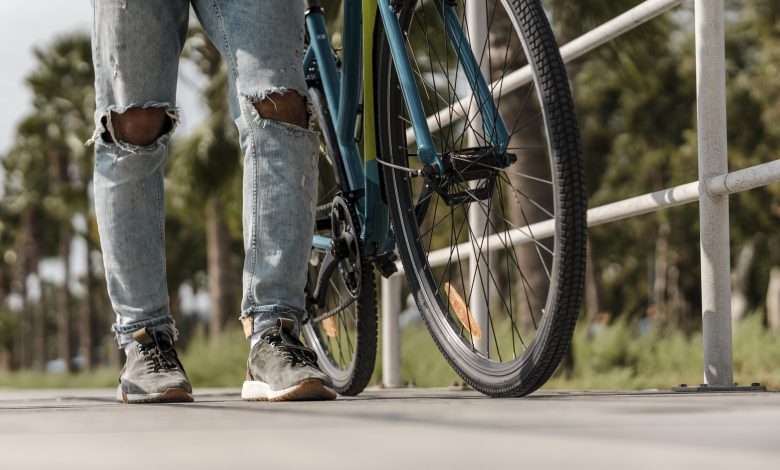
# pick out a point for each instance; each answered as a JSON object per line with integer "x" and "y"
{"x": 702, "y": 388}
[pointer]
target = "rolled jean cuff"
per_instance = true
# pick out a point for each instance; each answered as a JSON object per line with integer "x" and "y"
{"x": 259, "y": 319}
{"x": 124, "y": 333}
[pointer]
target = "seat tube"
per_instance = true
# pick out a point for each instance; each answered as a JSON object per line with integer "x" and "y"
{"x": 350, "y": 73}
{"x": 343, "y": 109}
{"x": 320, "y": 45}
{"x": 377, "y": 233}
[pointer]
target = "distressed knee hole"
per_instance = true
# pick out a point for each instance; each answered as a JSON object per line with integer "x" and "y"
{"x": 137, "y": 126}
{"x": 287, "y": 107}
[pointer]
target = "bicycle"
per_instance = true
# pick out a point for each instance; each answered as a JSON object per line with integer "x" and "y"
{"x": 462, "y": 133}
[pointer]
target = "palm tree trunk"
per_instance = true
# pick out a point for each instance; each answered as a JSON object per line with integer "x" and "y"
{"x": 86, "y": 330}
{"x": 63, "y": 300}
{"x": 773, "y": 300}
{"x": 592, "y": 307}
{"x": 659, "y": 295}
{"x": 38, "y": 326}
{"x": 740, "y": 277}
{"x": 27, "y": 249}
{"x": 3, "y": 285}
{"x": 220, "y": 272}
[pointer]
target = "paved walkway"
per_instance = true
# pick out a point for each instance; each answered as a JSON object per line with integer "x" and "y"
{"x": 393, "y": 429}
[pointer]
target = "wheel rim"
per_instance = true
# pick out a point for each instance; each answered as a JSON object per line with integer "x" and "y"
{"x": 516, "y": 302}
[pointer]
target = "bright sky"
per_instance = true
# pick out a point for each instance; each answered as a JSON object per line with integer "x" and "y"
{"x": 30, "y": 23}
{"x": 27, "y": 24}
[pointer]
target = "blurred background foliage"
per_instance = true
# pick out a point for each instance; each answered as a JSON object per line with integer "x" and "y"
{"x": 635, "y": 100}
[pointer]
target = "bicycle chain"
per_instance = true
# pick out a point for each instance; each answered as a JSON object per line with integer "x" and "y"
{"x": 325, "y": 207}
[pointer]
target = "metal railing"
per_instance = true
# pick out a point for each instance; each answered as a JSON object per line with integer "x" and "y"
{"x": 711, "y": 191}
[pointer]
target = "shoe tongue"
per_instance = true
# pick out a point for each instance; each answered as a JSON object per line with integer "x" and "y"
{"x": 161, "y": 338}
{"x": 282, "y": 325}
{"x": 285, "y": 324}
{"x": 142, "y": 336}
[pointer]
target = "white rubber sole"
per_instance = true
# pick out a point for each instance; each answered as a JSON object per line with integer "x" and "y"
{"x": 312, "y": 389}
{"x": 172, "y": 395}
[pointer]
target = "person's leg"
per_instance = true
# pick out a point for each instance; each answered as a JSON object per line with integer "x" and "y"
{"x": 136, "y": 46}
{"x": 262, "y": 42}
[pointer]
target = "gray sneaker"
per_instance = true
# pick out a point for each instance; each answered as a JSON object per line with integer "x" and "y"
{"x": 280, "y": 368}
{"x": 153, "y": 372}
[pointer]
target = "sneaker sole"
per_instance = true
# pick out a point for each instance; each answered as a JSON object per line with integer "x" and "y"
{"x": 312, "y": 389}
{"x": 172, "y": 395}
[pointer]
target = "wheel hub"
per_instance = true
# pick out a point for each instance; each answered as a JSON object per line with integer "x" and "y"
{"x": 470, "y": 174}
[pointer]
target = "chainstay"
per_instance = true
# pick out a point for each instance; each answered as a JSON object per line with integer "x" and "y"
{"x": 335, "y": 311}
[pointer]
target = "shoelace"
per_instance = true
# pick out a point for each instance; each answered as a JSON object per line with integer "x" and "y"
{"x": 292, "y": 349}
{"x": 158, "y": 358}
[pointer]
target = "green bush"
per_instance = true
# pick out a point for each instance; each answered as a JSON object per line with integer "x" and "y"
{"x": 615, "y": 358}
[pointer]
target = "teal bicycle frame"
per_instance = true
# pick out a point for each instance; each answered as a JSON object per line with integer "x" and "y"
{"x": 359, "y": 176}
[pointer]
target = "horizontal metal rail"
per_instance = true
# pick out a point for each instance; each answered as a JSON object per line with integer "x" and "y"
{"x": 572, "y": 50}
{"x": 748, "y": 178}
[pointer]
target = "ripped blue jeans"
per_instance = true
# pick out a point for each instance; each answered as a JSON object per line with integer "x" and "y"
{"x": 136, "y": 48}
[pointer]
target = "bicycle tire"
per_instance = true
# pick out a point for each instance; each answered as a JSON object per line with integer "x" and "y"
{"x": 447, "y": 313}
{"x": 349, "y": 365}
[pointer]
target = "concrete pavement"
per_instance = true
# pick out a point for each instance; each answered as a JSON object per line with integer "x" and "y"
{"x": 405, "y": 428}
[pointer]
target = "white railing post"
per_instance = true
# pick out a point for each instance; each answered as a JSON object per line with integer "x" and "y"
{"x": 713, "y": 208}
{"x": 391, "y": 339}
{"x": 476, "y": 20}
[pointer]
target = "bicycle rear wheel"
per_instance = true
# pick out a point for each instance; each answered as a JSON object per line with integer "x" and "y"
{"x": 341, "y": 289}
{"x": 495, "y": 249}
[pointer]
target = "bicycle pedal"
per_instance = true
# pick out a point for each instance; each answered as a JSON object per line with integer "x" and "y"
{"x": 385, "y": 263}
{"x": 478, "y": 165}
